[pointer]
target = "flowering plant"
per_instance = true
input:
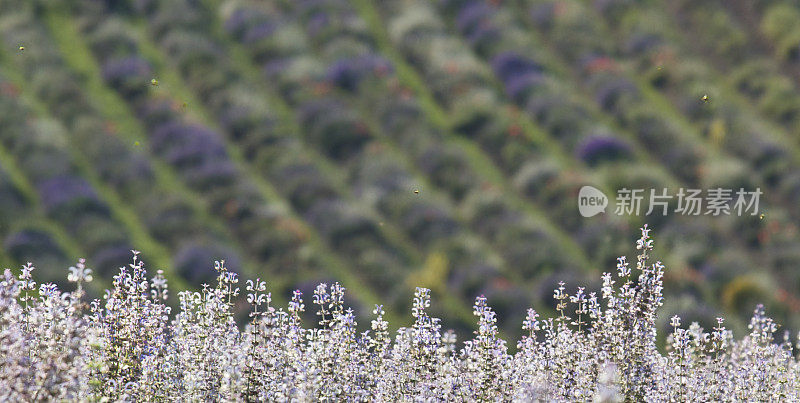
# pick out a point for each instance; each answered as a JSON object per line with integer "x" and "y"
{"x": 53, "y": 346}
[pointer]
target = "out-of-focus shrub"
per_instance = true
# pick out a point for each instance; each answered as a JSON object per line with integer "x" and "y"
{"x": 129, "y": 75}
{"x": 337, "y": 132}
{"x": 66, "y": 195}
{"x": 598, "y": 149}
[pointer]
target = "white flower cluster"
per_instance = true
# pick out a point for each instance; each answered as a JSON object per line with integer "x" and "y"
{"x": 597, "y": 348}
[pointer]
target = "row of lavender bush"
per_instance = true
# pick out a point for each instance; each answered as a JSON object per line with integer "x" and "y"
{"x": 597, "y": 347}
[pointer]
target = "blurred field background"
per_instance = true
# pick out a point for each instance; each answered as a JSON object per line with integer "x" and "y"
{"x": 398, "y": 143}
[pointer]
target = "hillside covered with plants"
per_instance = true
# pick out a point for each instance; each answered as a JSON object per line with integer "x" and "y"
{"x": 394, "y": 144}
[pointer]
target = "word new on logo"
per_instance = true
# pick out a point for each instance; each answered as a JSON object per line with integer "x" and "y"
{"x": 591, "y": 201}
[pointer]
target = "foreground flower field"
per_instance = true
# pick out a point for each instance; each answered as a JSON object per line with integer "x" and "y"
{"x": 127, "y": 346}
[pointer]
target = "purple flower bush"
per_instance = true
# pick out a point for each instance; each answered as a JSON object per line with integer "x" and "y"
{"x": 64, "y": 189}
{"x": 600, "y": 148}
{"x": 598, "y": 347}
{"x": 127, "y": 74}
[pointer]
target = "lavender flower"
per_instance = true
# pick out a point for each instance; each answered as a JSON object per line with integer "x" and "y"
{"x": 129, "y": 347}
